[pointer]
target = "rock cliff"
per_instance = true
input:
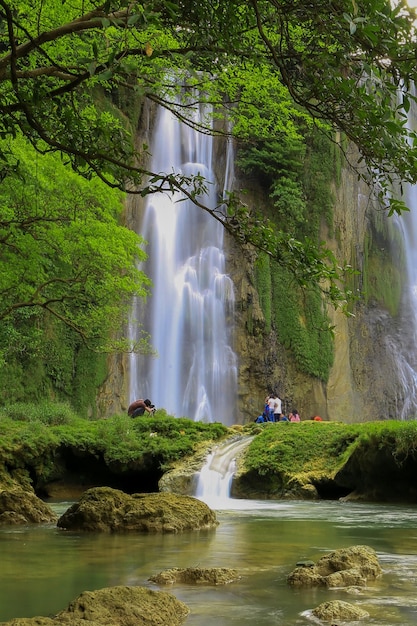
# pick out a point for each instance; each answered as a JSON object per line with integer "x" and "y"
{"x": 369, "y": 378}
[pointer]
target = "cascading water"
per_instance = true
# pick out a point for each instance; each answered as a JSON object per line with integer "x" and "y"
{"x": 406, "y": 355}
{"x": 189, "y": 315}
{"x": 216, "y": 475}
{"x": 404, "y": 345}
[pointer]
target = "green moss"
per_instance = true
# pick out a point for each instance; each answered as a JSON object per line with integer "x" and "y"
{"x": 264, "y": 287}
{"x": 31, "y": 435}
{"x": 90, "y": 370}
{"x": 383, "y": 272}
{"x": 293, "y": 451}
{"x": 298, "y": 317}
{"x": 302, "y": 325}
{"x": 319, "y": 175}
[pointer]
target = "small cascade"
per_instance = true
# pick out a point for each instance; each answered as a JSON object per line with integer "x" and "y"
{"x": 216, "y": 476}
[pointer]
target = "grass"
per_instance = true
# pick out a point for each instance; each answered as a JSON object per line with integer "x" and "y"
{"x": 31, "y": 435}
{"x": 325, "y": 446}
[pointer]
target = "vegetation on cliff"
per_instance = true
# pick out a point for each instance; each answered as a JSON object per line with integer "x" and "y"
{"x": 68, "y": 275}
{"x": 299, "y": 173}
{"x": 372, "y": 460}
{"x": 369, "y": 461}
{"x": 39, "y": 442}
{"x": 73, "y": 78}
{"x": 266, "y": 67}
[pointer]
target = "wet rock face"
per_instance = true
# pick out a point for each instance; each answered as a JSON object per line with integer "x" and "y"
{"x": 196, "y": 576}
{"x": 23, "y": 507}
{"x": 341, "y": 568}
{"x": 115, "y": 606}
{"x": 103, "y": 509}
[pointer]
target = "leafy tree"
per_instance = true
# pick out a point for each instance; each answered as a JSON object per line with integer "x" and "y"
{"x": 347, "y": 65}
{"x": 63, "y": 256}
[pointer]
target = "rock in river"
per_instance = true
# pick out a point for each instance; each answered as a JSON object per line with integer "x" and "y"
{"x": 340, "y": 568}
{"x": 115, "y": 606}
{"x": 102, "y": 509}
{"x": 18, "y": 506}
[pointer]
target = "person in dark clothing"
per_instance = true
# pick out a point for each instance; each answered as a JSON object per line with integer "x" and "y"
{"x": 140, "y": 407}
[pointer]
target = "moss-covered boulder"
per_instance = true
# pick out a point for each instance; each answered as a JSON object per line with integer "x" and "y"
{"x": 115, "y": 606}
{"x": 337, "y": 609}
{"x": 196, "y": 576}
{"x": 103, "y": 509}
{"x": 340, "y": 568}
{"x": 18, "y": 506}
{"x": 126, "y": 606}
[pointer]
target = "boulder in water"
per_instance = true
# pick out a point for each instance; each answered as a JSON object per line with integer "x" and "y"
{"x": 196, "y": 576}
{"x": 115, "y": 606}
{"x": 340, "y": 568}
{"x": 18, "y": 506}
{"x": 102, "y": 509}
{"x": 337, "y": 609}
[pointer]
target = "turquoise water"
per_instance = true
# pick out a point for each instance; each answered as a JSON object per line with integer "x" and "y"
{"x": 43, "y": 568}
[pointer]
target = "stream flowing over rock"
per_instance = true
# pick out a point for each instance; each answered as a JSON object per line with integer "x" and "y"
{"x": 102, "y": 509}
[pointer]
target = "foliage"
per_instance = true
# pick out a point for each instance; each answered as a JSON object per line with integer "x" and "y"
{"x": 350, "y": 66}
{"x": 34, "y": 432}
{"x": 307, "y": 446}
{"x": 63, "y": 255}
{"x": 299, "y": 316}
{"x": 293, "y": 449}
{"x": 49, "y": 413}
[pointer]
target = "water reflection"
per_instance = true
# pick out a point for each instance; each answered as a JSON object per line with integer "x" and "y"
{"x": 44, "y": 568}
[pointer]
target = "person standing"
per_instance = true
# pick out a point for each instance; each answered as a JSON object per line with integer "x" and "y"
{"x": 277, "y": 407}
{"x": 271, "y": 407}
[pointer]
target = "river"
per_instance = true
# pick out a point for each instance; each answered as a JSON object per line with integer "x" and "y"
{"x": 44, "y": 568}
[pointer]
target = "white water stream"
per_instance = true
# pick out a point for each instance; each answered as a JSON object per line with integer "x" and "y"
{"x": 216, "y": 476}
{"x": 407, "y": 332}
{"x": 190, "y": 313}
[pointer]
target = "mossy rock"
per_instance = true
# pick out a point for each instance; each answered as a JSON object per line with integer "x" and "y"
{"x": 18, "y": 506}
{"x": 115, "y": 606}
{"x": 196, "y": 576}
{"x": 126, "y": 606}
{"x": 337, "y": 609}
{"x": 102, "y": 509}
{"x": 341, "y": 568}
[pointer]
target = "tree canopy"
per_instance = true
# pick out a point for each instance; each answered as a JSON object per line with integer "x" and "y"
{"x": 269, "y": 65}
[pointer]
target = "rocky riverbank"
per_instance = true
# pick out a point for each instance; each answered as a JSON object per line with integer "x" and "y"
{"x": 374, "y": 461}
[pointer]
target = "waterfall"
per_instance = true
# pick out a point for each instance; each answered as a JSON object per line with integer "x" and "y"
{"x": 189, "y": 314}
{"x": 406, "y": 355}
{"x": 404, "y": 345}
{"x": 216, "y": 475}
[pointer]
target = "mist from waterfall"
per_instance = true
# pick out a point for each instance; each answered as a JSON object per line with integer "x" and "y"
{"x": 189, "y": 314}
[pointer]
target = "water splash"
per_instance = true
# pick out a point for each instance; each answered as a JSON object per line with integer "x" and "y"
{"x": 190, "y": 312}
{"x": 216, "y": 476}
